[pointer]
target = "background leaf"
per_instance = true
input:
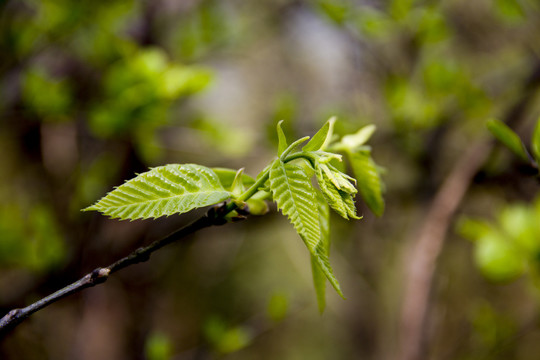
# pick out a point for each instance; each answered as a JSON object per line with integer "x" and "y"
{"x": 508, "y": 137}
{"x": 368, "y": 180}
{"x": 164, "y": 190}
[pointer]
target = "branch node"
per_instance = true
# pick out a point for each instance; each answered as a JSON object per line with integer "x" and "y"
{"x": 99, "y": 275}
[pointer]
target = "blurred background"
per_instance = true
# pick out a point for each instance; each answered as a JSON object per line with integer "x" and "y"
{"x": 92, "y": 92}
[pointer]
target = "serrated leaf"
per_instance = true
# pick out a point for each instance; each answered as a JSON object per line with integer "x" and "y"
{"x": 282, "y": 140}
{"x": 368, "y": 180}
{"x": 319, "y": 277}
{"x": 536, "y": 142}
{"x": 322, "y": 138}
{"x": 508, "y": 137}
{"x": 295, "y": 197}
{"x": 226, "y": 177}
{"x": 339, "y": 179}
{"x": 340, "y": 201}
{"x": 324, "y": 265}
{"x": 319, "y": 283}
{"x": 164, "y": 190}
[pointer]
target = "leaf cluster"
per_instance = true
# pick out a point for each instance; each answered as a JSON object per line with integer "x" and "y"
{"x": 509, "y": 246}
{"x": 179, "y": 188}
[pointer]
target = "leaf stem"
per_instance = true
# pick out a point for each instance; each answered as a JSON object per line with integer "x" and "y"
{"x": 263, "y": 177}
{"x": 292, "y": 146}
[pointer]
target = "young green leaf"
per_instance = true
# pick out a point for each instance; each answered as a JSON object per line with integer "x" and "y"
{"x": 368, "y": 180}
{"x": 352, "y": 142}
{"x": 282, "y": 140}
{"x": 322, "y": 138}
{"x": 295, "y": 196}
{"x": 341, "y": 201}
{"x": 164, "y": 190}
{"x": 508, "y": 137}
{"x": 237, "y": 187}
{"x": 324, "y": 265}
{"x": 339, "y": 179}
{"x": 536, "y": 142}
{"x": 319, "y": 278}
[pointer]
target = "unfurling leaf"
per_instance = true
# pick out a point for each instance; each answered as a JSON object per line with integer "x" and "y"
{"x": 340, "y": 180}
{"x": 295, "y": 197}
{"x": 322, "y": 138}
{"x": 341, "y": 201}
{"x": 508, "y": 137}
{"x": 282, "y": 140}
{"x": 164, "y": 190}
{"x": 237, "y": 187}
{"x": 352, "y": 142}
{"x": 368, "y": 180}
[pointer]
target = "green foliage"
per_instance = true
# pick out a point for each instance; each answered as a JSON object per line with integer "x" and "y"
{"x": 369, "y": 180}
{"x": 176, "y": 189}
{"x": 508, "y": 248}
{"x": 225, "y": 339}
{"x": 366, "y": 171}
{"x": 338, "y": 197}
{"x": 322, "y": 138}
{"x": 319, "y": 277}
{"x": 48, "y": 97}
{"x": 158, "y": 347}
{"x": 296, "y": 198}
{"x": 508, "y": 137}
{"x": 164, "y": 190}
{"x": 282, "y": 140}
{"x": 278, "y": 307}
{"x": 30, "y": 237}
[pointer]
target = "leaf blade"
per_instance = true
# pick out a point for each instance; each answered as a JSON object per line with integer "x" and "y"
{"x": 282, "y": 140}
{"x": 322, "y": 138}
{"x": 319, "y": 277}
{"x": 164, "y": 190}
{"x": 295, "y": 197}
{"x": 340, "y": 201}
{"x": 368, "y": 179}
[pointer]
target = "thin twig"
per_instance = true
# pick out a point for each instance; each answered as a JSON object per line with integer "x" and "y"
{"x": 215, "y": 216}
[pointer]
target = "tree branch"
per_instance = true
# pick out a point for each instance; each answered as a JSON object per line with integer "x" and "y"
{"x": 215, "y": 216}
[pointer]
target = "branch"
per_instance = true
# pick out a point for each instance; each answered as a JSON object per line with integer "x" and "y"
{"x": 215, "y": 216}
